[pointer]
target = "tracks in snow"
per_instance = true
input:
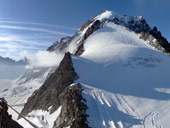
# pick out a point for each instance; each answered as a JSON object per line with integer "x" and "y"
{"x": 150, "y": 120}
{"x": 104, "y": 112}
{"x": 109, "y": 110}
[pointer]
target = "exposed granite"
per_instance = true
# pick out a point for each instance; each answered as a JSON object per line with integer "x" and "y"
{"x": 73, "y": 111}
{"x": 47, "y": 95}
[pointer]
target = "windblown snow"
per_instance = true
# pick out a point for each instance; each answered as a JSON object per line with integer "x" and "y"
{"x": 125, "y": 81}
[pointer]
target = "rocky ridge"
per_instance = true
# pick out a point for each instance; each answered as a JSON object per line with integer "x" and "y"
{"x": 6, "y": 120}
{"x": 57, "y": 91}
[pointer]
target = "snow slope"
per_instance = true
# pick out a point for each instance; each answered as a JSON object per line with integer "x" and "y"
{"x": 112, "y": 42}
{"x": 23, "y": 87}
{"x": 125, "y": 80}
{"x": 41, "y": 118}
{"x": 135, "y": 95}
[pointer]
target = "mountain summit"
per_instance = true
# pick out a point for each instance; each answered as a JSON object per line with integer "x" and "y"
{"x": 135, "y": 24}
{"x": 114, "y": 74}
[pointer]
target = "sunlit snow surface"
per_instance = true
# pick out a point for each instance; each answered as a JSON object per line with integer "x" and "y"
{"x": 42, "y": 119}
{"x": 125, "y": 81}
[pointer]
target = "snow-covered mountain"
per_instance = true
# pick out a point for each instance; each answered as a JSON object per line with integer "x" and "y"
{"x": 10, "y": 70}
{"x": 117, "y": 76}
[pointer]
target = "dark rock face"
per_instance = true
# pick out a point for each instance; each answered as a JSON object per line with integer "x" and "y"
{"x": 135, "y": 24}
{"x": 48, "y": 93}
{"x": 90, "y": 30}
{"x": 152, "y": 41}
{"x": 73, "y": 111}
{"x": 85, "y": 25}
{"x": 59, "y": 90}
{"x": 6, "y": 120}
{"x": 162, "y": 41}
{"x": 140, "y": 26}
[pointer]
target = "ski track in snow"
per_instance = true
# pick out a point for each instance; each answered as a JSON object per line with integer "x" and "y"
{"x": 109, "y": 118}
{"x": 109, "y": 110}
{"x": 150, "y": 120}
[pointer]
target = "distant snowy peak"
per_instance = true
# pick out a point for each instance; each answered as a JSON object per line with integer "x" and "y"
{"x": 10, "y": 61}
{"x": 112, "y": 15}
{"x": 137, "y": 24}
{"x": 105, "y": 15}
{"x": 60, "y": 44}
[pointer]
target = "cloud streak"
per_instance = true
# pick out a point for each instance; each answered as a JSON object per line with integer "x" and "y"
{"x": 20, "y": 39}
{"x": 40, "y": 24}
{"x": 34, "y": 29}
{"x": 15, "y": 47}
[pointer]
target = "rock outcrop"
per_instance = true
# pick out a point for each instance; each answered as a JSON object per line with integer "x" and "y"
{"x": 47, "y": 95}
{"x": 73, "y": 111}
{"x": 6, "y": 120}
{"x": 95, "y": 25}
{"x": 57, "y": 91}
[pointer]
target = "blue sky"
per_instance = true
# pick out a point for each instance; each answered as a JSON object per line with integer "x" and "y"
{"x": 27, "y": 26}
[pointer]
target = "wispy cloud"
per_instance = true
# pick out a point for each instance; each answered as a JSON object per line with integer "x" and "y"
{"x": 19, "y": 46}
{"x": 35, "y": 23}
{"x": 14, "y": 47}
{"x": 20, "y": 39}
{"x": 18, "y": 51}
{"x": 34, "y": 29}
{"x": 5, "y": 18}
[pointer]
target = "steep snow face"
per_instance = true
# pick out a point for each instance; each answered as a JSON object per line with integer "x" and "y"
{"x": 113, "y": 42}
